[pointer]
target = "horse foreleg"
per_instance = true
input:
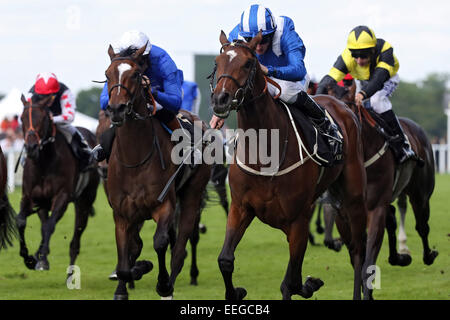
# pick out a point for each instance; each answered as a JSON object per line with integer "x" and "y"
{"x": 21, "y": 221}
{"x": 237, "y": 222}
{"x": 123, "y": 239}
{"x": 81, "y": 219}
{"x": 164, "y": 217}
{"x": 292, "y": 283}
{"x": 59, "y": 206}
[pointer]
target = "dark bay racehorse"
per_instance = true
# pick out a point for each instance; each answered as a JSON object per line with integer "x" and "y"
{"x": 139, "y": 167}
{"x": 50, "y": 179}
{"x": 104, "y": 122}
{"x": 7, "y": 215}
{"x": 284, "y": 201}
{"x": 386, "y": 181}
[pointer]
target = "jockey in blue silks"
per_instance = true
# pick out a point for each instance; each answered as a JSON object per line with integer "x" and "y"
{"x": 191, "y": 97}
{"x": 280, "y": 54}
{"x": 165, "y": 78}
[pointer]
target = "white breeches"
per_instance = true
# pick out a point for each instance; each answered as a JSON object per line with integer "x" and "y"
{"x": 289, "y": 89}
{"x": 380, "y": 100}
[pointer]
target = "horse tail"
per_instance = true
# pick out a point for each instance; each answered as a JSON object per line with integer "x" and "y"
{"x": 8, "y": 228}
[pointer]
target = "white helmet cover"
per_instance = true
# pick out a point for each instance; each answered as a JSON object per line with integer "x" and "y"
{"x": 132, "y": 39}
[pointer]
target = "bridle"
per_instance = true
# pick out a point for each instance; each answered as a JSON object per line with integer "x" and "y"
{"x": 247, "y": 88}
{"x": 32, "y": 131}
{"x": 144, "y": 90}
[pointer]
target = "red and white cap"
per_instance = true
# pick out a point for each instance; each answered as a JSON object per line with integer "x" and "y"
{"x": 46, "y": 83}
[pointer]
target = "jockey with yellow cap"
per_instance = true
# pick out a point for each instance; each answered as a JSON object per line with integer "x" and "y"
{"x": 372, "y": 63}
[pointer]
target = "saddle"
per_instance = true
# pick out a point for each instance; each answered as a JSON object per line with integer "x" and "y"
{"x": 317, "y": 143}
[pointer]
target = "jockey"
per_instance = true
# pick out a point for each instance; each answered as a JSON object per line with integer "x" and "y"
{"x": 63, "y": 113}
{"x": 280, "y": 53}
{"x": 191, "y": 97}
{"x": 165, "y": 78}
{"x": 372, "y": 63}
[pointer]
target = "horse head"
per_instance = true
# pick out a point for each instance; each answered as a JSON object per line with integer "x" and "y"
{"x": 345, "y": 94}
{"x": 238, "y": 63}
{"x": 125, "y": 83}
{"x": 37, "y": 124}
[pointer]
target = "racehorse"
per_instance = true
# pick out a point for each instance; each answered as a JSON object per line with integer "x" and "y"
{"x": 104, "y": 122}
{"x": 8, "y": 228}
{"x": 283, "y": 201}
{"x": 387, "y": 181}
{"x": 51, "y": 180}
{"x": 138, "y": 171}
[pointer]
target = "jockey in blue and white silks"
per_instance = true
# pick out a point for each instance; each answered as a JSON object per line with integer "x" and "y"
{"x": 165, "y": 78}
{"x": 280, "y": 54}
{"x": 284, "y": 56}
{"x": 166, "y": 82}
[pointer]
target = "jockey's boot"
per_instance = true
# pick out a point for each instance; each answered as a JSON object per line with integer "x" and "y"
{"x": 400, "y": 145}
{"x": 102, "y": 151}
{"x": 82, "y": 150}
{"x": 320, "y": 121}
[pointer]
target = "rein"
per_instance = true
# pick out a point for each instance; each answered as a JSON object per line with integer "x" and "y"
{"x": 136, "y": 116}
{"x": 130, "y": 104}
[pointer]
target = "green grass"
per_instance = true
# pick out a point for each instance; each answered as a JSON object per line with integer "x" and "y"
{"x": 261, "y": 260}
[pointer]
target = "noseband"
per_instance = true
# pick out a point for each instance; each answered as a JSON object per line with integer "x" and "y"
{"x": 130, "y": 104}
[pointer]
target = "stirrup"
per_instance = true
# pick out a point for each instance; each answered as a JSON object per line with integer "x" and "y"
{"x": 98, "y": 153}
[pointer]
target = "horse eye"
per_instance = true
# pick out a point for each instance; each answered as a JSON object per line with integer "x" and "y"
{"x": 248, "y": 64}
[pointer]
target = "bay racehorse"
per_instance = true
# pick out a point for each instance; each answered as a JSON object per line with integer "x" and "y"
{"x": 139, "y": 168}
{"x": 284, "y": 201}
{"x": 387, "y": 181}
{"x": 51, "y": 180}
{"x": 104, "y": 122}
{"x": 8, "y": 228}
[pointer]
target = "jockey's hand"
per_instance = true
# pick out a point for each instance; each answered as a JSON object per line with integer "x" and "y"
{"x": 216, "y": 122}
{"x": 264, "y": 69}
{"x": 359, "y": 99}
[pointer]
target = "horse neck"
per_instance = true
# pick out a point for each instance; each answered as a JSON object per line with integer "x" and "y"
{"x": 370, "y": 134}
{"x": 261, "y": 113}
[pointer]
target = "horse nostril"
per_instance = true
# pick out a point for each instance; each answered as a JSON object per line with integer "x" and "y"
{"x": 223, "y": 98}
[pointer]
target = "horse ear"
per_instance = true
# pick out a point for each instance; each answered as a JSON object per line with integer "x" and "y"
{"x": 24, "y": 101}
{"x": 256, "y": 40}
{"x": 139, "y": 52}
{"x": 47, "y": 101}
{"x": 223, "y": 38}
{"x": 111, "y": 53}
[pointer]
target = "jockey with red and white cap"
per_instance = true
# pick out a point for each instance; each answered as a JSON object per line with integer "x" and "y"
{"x": 63, "y": 113}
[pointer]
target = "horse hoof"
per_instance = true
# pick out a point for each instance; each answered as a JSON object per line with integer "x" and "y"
{"x": 42, "y": 265}
{"x": 113, "y": 276}
{"x": 429, "y": 258}
{"x": 167, "y": 298}
{"x": 140, "y": 268}
{"x": 202, "y": 228}
{"x": 120, "y": 297}
{"x": 313, "y": 284}
{"x": 320, "y": 230}
{"x": 335, "y": 244}
{"x": 194, "y": 282}
{"x": 30, "y": 262}
{"x": 240, "y": 293}
{"x": 401, "y": 260}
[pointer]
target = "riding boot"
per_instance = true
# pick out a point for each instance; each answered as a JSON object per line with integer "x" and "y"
{"x": 400, "y": 145}
{"x": 320, "y": 121}
{"x": 102, "y": 151}
{"x": 82, "y": 150}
